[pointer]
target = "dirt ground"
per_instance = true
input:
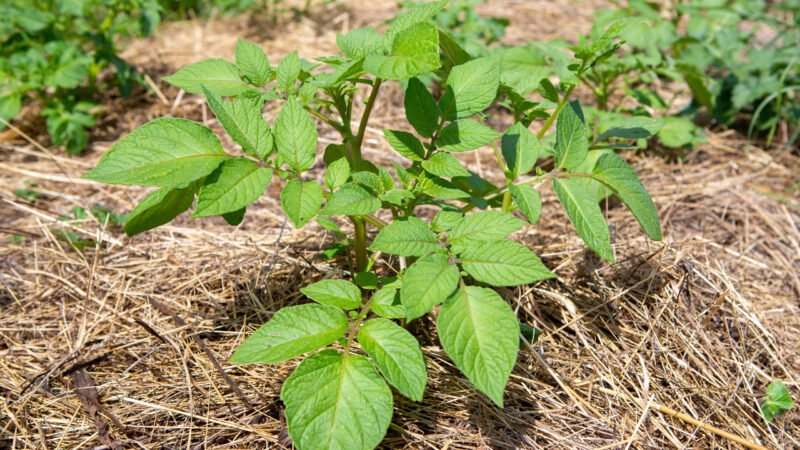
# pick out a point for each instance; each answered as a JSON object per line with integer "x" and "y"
{"x": 125, "y": 344}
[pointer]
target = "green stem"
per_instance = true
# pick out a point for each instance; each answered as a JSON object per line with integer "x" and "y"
{"x": 360, "y": 243}
{"x": 362, "y": 126}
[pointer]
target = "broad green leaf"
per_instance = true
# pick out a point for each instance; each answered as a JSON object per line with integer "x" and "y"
{"x": 427, "y": 283}
{"x": 615, "y": 173}
{"x": 406, "y": 144}
{"x": 397, "y": 196}
{"x": 421, "y": 109}
{"x": 217, "y": 75}
{"x": 413, "y": 16}
{"x": 572, "y": 145}
{"x": 235, "y": 184}
{"x": 777, "y": 401}
{"x": 335, "y": 402}
{"x": 244, "y": 123}
{"x": 369, "y": 180}
{"x": 521, "y": 148}
{"x": 503, "y": 263}
{"x": 301, "y": 201}
{"x": 386, "y": 303}
{"x": 680, "y": 132}
{"x": 584, "y": 212}
{"x": 465, "y": 135}
{"x": 288, "y": 70}
{"x": 483, "y": 226}
{"x": 523, "y": 67}
{"x": 453, "y": 54}
{"x": 360, "y": 42}
{"x": 339, "y": 293}
{"x": 480, "y": 333}
{"x": 446, "y": 219}
{"x": 165, "y": 152}
{"x": 296, "y": 136}
{"x": 397, "y": 354}
{"x": 527, "y": 200}
{"x": 351, "y": 200}
{"x": 337, "y": 174}
{"x": 445, "y": 165}
{"x": 406, "y": 237}
{"x": 158, "y": 208}
{"x": 234, "y": 218}
{"x": 632, "y": 128}
{"x": 439, "y": 188}
{"x": 415, "y": 51}
{"x": 471, "y": 87}
{"x": 292, "y": 331}
{"x": 253, "y": 62}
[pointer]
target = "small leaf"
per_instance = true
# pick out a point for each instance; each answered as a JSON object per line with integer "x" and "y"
{"x": 301, "y": 201}
{"x": 158, "y": 208}
{"x": 615, "y": 173}
{"x": 414, "y": 15}
{"x": 427, "y": 283}
{"x": 351, "y": 200}
{"x": 339, "y": 293}
{"x": 234, "y": 218}
{"x": 386, "y": 303}
{"x": 421, "y": 109}
{"x": 406, "y": 144}
{"x": 336, "y": 402}
{"x": 503, "y": 263}
{"x": 527, "y": 200}
{"x": 415, "y": 51}
{"x": 360, "y": 42}
{"x": 465, "y": 135}
{"x": 296, "y": 136}
{"x": 253, "y": 62}
{"x": 483, "y": 226}
{"x": 446, "y": 219}
{"x": 585, "y": 214}
{"x": 471, "y": 87}
{"x": 445, "y": 165}
{"x": 244, "y": 123}
{"x": 439, "y": 188}
{"x": 235, "y": 184}
{"x": 292, "y": 331}
{"x": 287, "y": 71}
{"x": 337, "y": 174}
{"x": 397, "y": 354}
{"x": 521, "y": 148}
{"x": 406, "y": 237}
{"x": 632, "y": 128}
{"x": 480, "y": 333}
{"x": 217, "y": 75}
{"x": 777, "y": 401}
{"x": 165, "y": 152}
{"x": 572, "y": 145}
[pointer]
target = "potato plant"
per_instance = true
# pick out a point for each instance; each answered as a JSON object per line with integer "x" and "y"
{"x": 339, "y": 396}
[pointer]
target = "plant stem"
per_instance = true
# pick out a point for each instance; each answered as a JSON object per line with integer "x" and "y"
{"x": 362, "y": 126}
{"x": 360, "y": 243}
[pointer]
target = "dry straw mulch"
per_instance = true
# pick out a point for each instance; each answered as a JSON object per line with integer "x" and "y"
{"x": 125, "y": 344}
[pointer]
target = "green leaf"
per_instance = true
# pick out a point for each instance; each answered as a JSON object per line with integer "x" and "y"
{"x": 217, "y": 75}
{"x": 336, "y": 402}
{"x": 351, "y": 200}
{"x": 244, "y": 123}
{"x": 413, "y": 16}
{"x": 405, "y": 144}
{"x": 446, "y": 219}
{"x": 397, "y": 354}
{"x": 165, "y": 152}
{"x": 158, "y": 208}
{"x": 521, "y": 148}
{"x": 482, "y": 227}
{"x": 339, "y": 293}
{"x": 439, "y": 188}
{"x": 503, "y": 263}
{"x": 471, "y": 87}
{"x": 292, "y": 331}
{"x": 406, "y": 237}
{"x": 777, "y": 401}
{"x": 301, "y": 201}
{"x": 235, "y": 184}
{"x": 427, "y": 283}
{"x": 253, "y": 62}
{"x": 527, "y": 200}
{"x": 632, "y": 128}
{"x": 615, "y": 173}
{"x": 584, "y": 212}
{"x": 680, "y": 132}
{"x": 465, "y": 135}
{"x": 337, "y": 174}
{"x": 572, "y": 145}
{"x": 445, "y": 165}
{"x": 422, "y": 111}
{"x": 480, "y": 333}
{"x": 296, "y": 136}
{"x": 415, "y": 51}
{"x": 287, "y": 71}
{"x": 234, "y": 218}
{"x": 386, "y": 303}
{"x": 360, "y": 42}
